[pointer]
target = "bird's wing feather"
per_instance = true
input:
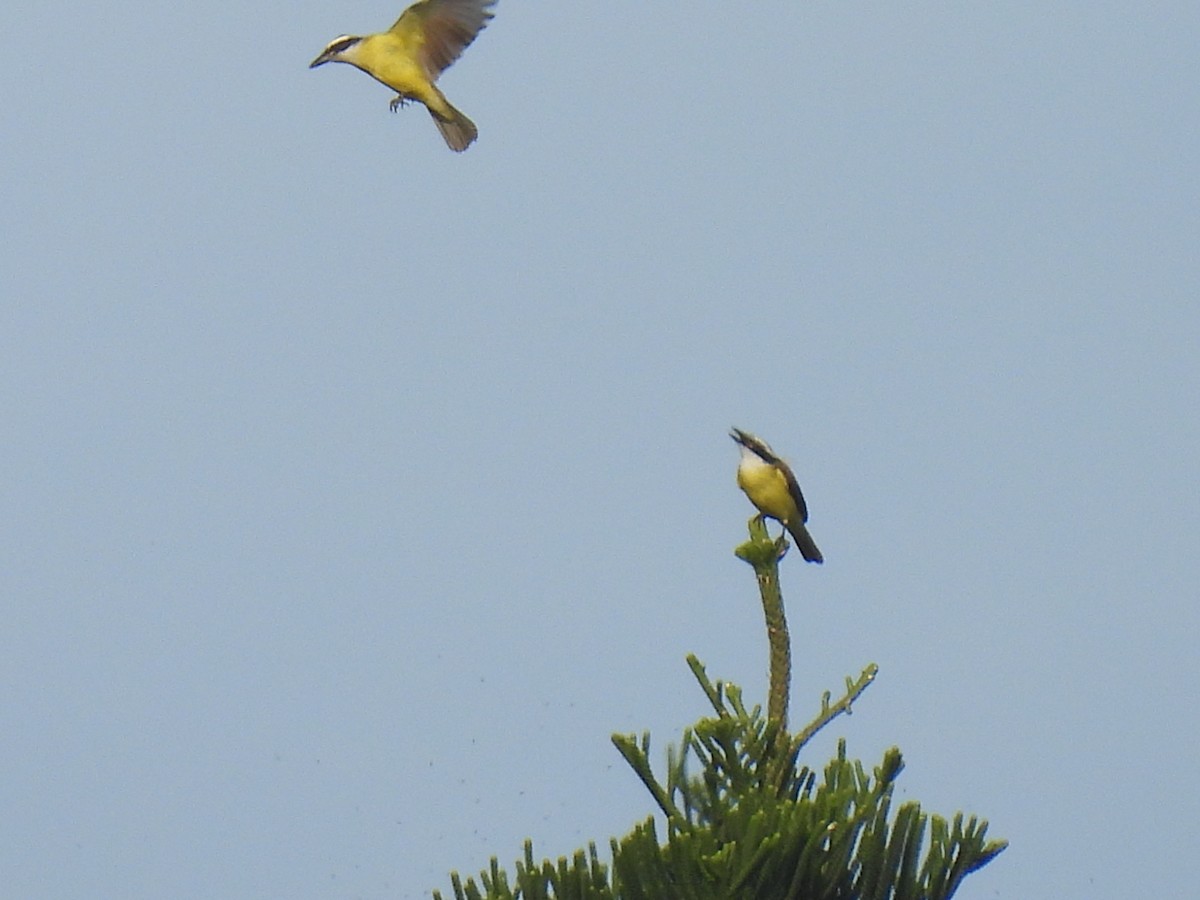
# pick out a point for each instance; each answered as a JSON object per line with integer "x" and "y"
{"x": 794, "y": 490}
{"x": 438, "y": 31}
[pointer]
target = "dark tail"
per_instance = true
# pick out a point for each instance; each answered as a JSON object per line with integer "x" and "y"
{"x": 805, "y": 544}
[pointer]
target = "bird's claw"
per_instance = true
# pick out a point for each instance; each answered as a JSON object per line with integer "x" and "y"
{"x": 398, "y": 102}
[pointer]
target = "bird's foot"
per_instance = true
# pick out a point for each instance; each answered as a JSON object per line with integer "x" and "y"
{"x": 398, "y": 102}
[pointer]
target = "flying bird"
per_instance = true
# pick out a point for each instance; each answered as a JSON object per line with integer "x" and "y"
{"x": 772, "y": 488}
{"x": 427, "y": 38}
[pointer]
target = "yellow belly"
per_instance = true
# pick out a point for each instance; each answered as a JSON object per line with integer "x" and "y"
{"x": 767, "y": 489}
{"x": 391, "y": 61}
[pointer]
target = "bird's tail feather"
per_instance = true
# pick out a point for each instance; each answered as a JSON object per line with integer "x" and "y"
{"x": 456, "y": 128}
{"x": 805, "y": 544}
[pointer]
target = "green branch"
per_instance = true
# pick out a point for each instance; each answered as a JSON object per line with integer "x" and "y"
{"x": 763, "y": 554}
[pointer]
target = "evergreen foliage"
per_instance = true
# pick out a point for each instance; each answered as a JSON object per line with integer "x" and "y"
{"x": 751, "y": 825}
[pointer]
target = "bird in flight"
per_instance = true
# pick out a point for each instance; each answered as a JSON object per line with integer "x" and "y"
{"x": 427, "y": 38}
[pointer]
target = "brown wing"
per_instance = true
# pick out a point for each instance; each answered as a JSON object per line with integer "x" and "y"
{"x": 440, "y": 30}
{"x": 794, "y": 490}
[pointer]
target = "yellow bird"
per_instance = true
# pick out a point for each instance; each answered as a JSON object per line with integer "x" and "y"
{"x": 409, "y": 57}
{"x": 772, "y": 487}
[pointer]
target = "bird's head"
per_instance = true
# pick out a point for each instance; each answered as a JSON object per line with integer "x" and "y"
{"x": 753, "y": 445}
{"x": 341, "y": 49}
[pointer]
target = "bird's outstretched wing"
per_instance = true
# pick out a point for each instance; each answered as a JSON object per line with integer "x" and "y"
{"x": 438, "y": 31}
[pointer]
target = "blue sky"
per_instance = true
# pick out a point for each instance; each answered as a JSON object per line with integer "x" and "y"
{"x": 359, "y": 490}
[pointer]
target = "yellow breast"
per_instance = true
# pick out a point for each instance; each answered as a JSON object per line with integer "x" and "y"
{"x": 391, "y": 60}
{"x": 767, "y": 488}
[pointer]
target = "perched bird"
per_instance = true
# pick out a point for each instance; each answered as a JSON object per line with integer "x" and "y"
{"x": 409, "y": 57}
{"x": 772, "y": 487}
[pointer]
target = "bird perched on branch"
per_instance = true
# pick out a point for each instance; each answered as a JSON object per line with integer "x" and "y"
{"x": 409, "y": 57}
{"x": 772, "y": 488}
